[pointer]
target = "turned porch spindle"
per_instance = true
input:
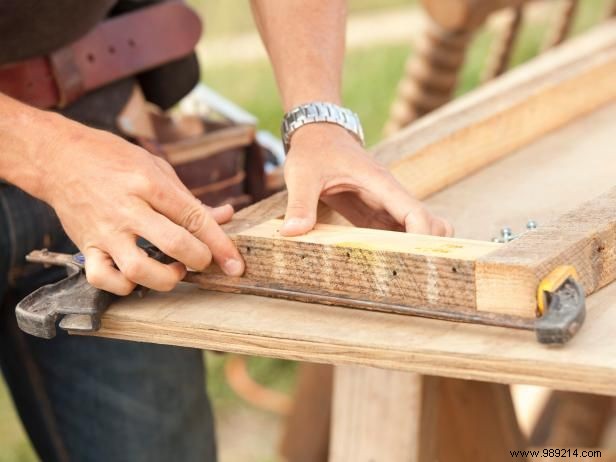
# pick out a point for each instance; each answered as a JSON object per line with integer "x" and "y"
{"x": 563, "y": 24}
{"x": 502, "y": 49}
{"x": 430, "y": 77}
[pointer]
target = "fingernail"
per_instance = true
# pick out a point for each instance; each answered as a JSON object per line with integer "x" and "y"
{"x": 293, "y": 224}
{"x": 233, "y": 267}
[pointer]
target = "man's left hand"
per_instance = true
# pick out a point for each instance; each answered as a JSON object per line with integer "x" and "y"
{"x": 326, "y": 162}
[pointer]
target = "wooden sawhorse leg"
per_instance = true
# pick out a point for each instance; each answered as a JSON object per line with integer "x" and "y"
{"x": 391, "y": 416}
{"x": 385, "y": 415}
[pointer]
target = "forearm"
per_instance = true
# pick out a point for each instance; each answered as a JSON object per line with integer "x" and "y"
{"x": 305, "y": 42}
{"x": 26, "y": 135}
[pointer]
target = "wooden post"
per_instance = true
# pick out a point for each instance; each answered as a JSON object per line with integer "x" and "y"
{"x": 306, "y": 435}
{"x": 572, "y": 420}
{"x": 503, "y": 46}
{"x": 563, "y": 24}
{"x": 378, "y": 416}
{"x": 431, "y": 76}
{"x": 476, "y": 421}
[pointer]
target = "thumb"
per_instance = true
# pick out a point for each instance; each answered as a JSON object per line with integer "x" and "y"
{"x": 301, "y": 214}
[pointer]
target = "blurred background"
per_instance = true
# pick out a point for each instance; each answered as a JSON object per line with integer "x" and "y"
{"x": 380, "y": 37}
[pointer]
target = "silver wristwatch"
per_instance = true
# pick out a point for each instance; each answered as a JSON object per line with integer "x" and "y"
{"x": 319, "y": 112}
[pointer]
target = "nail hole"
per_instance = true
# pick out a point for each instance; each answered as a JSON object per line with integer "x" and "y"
{"x": 131, "y": 43}
{"x": 454, "y": 269}
{"x": 303, "y": 257}
{"x": 348, "y": 254}
{"x": 248, "y": 249}
{"x": 29, "y": 85}
{"x": 90, "y": 57}
{"x": 111, "y": 50}
{"x": 394, "y": 272}
{"x": 600, "y": 248}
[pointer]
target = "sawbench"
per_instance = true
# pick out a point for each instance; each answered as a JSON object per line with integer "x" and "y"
{"x": 537, "y": 143}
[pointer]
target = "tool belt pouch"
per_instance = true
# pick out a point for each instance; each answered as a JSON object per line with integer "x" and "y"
{"x": 220, "y": 162}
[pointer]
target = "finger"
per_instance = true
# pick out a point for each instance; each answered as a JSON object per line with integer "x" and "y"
{"x": 441, "y": 227}
{"x": 188, "y": 212}
{"x": 401, "y": 205}
{"x": 135, "y": 265}
{"x": 303, "y": 199}
{"x": 101, "y": 273}
{"x": 204, "y": 227}
{"x": 173, "y": 240}
{"x": 222, "y": 214}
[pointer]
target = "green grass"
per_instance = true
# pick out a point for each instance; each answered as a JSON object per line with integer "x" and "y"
{"x": 14, "y": 447}
{"x": 370, "y": 80}
{"x": 231, "y": 17}
{"x": 273, "y": 373}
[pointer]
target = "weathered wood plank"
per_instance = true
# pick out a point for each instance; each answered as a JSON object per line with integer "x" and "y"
{"x": 584, "y": 237}
{"x": 476, "y": 421}
{"x": 504, "y": 115}
{"x": 572, "y": 420}
{"x": 307, "y": 428}
{"x": 370, "y": 424}
{"x": 326, "y": 334}
{"x": 366, "y": 264}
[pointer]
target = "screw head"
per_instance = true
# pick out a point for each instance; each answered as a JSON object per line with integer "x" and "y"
{"x": 531, "y": 224}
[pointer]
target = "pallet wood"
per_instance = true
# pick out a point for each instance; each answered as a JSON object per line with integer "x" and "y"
{"x": 358, "y": 263}
{"x": 384, "y": 415}
{"x": 306, "y": 434}
{"x": 502, "y": 194}
{"x": 427, "y": 271}
{"x": 573, "y": 420}
{"x": 361, "y": 409}
{"x": 488, "y": 124}
{"x": 476, "y": 422}
{"x": 584, "y": 237}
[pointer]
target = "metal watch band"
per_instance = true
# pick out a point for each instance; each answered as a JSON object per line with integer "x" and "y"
{"x": 319, "y": 112}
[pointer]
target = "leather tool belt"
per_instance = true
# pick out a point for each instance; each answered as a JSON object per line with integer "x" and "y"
{"x": 116, "y": 48}
{"x": 219, "y": 161}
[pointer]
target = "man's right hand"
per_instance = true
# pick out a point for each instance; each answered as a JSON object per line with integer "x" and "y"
{"x": 108, "y": 192}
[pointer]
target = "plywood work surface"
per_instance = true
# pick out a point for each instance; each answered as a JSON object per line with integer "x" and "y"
{"x": 548, "y": 177}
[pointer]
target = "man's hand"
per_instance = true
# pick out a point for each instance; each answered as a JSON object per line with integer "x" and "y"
{"x": 108, "y": 192}
{"x": 326, "y": 162}
{"x": 305, "y": 42}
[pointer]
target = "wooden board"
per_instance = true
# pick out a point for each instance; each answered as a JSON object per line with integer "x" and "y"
{"x": 427, "y": 271}
{"x": 363, "y": 416}
{"x": 357, "y": 263}
{"x": 503, "y": 194}
{"x": 507, "y": 279}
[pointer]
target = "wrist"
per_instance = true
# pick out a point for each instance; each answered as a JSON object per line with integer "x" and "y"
{"x": 320, "y": 135}
{"x": 322, "y": 113}
{"x": 19, "y": 134}
{"x": 28, "y": 138}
